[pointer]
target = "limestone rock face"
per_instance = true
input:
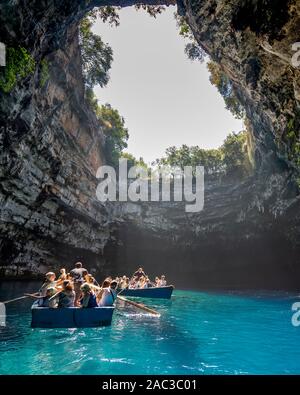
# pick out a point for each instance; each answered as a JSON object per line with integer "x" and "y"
{"x": 50, "y": 148}
{"x": 253, "y": 43}
{"x": 51, "y": 145}
{"x": 240, "y": 240}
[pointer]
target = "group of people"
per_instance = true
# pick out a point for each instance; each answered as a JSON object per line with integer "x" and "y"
{"x": 140, "y": 280}
{"x": 79, "y": 288}
{"x": 75, "y": 289}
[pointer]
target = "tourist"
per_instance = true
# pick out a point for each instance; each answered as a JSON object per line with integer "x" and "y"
{"x": 141, "y": 282}
{"x": 77, "y": 275}
{"x": 93, "y": 283}
{"x": 105, "y": 284}
{"x": 124, "y": 282}
{"x": 48, "y": 283}
{"x": 91, "y": 280}
{"x": 133, "y": 283}
{"x": 109, "y": 294}
{"x": 45, "y": 301}
{"x": 88, "y": 299}
{"x": 157, "y": 282}
{"x": 148, "y": 283}
{"x": 62, "y": 277}
{"x": 163, "y": 282}
{"x": 139, "y": 273}
{"x": 66, "y": 297}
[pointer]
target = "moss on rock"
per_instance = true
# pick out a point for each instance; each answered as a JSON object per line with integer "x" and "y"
{"x": 19, "y": 64}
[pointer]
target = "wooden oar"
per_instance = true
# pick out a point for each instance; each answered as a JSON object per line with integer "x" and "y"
{"x": 139, "y": 305}
{"x": 27, "y": 295}
{"x": 14, "y": 300}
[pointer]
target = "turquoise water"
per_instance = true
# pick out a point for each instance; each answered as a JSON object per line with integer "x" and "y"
{"x": 197, "y": 333}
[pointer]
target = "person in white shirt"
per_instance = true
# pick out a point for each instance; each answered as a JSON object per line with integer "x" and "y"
{"x": 109, "y": 294}
{"x": 49, "y": 283}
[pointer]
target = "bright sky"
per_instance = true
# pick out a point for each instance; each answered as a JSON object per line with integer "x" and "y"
{"x": 164, "y": 97}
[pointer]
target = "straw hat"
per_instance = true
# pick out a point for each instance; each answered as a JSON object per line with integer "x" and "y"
{"x": 49, "y": 275}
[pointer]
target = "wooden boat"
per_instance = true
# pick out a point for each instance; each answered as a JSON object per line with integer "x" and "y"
{"x": 155, "y": 292}
{"x": 71, "y": 317}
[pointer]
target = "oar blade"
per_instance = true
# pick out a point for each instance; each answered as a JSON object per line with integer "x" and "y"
{"x": 140, "y": 306}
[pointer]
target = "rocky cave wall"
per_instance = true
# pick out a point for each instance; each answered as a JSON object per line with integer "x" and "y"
{"x": 252, "y": 42}
{"x": 51, "y": 145}
{"x": 50, "y": 148}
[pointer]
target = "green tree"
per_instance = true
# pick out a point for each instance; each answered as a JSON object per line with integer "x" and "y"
{"x": 234, "y": 153}
{"x": 195, "y": 51}
{"x": 96, "y": 56}
{"x": 107, "y": 14}
{"x": 192, "y": 156}
{"x": 116, "y": 134}
{"x": 111, "y": 14}
{"x": 133, "y": 161}
{"x": 19, "y": 64}
{"x": 230, "y": 159}
{"x": 192, "y": 49}
{"x": 225, "y": 87}
{"x": 91, "y": 99}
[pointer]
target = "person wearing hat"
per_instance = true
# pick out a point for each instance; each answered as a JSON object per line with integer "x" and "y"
{"x": 48, "y": 283}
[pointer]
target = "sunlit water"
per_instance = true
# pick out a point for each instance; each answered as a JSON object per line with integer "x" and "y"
{"x": 197, "y": 333}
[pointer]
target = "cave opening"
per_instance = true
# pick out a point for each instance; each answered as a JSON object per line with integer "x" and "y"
{"x": 163, "y": 94}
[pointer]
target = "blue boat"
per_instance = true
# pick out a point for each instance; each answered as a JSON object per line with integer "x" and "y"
{"x": 154, "y": 293}
{"x": 71, "y": 317}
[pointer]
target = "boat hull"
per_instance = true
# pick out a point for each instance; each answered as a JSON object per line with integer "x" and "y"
{"x": 153, "y": 293}
{"x": 71, "y": 317}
